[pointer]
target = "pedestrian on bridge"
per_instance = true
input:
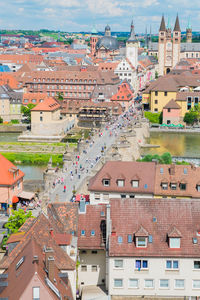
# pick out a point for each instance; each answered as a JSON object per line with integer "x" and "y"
{"x": 64, "y": 190}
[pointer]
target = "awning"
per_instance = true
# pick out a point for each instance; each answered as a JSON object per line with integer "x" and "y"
{"x": 15, "y": 199}
{"x": 26, "y": 195}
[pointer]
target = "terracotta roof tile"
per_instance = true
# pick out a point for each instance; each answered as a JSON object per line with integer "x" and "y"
{"x": 49, "y": 104}
{"x": 9, "y": 174}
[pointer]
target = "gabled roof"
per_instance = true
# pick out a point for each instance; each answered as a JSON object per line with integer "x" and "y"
{"x": 124, "y": 93}
{"x": 129, "y": 169}
{"x": 19, "y": 278}
{"x": 49, "y": 104}
{"x": 141, "y": 232}
{"x": 41, "y": 229}
{"x": 174, "y": 232}
{"x": 172, "y": 104}
{"x": 7, "y": 171}
{"x": 157, "y": 216}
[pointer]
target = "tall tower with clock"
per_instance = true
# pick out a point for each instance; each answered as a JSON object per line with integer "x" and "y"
{"x": 132, "y": 46}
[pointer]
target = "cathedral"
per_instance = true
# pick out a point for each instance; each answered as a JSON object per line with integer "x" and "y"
{"x": 169, "y": 48}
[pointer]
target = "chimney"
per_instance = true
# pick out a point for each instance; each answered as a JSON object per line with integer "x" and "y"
{"x": 51, "y": 270}
{"x": 108, "y": 224}
{"x": 172, "y": 169}
{"x": 48, "y": 253}
{"x": 82, "y": 207}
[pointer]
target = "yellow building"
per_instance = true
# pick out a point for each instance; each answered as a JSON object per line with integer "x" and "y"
{"x": 184, "y": 89}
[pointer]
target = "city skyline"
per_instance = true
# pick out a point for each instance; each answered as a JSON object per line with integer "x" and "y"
{"x": 80, "y": 15}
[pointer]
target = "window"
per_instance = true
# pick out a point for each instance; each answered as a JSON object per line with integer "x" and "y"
{"x": 156, "y": 93}
{"x": 130, "y": 238}
{"x": 141, "y": 242}
{"x": 164, "y": 283}
{"x": 118, "y": 282}
{"x": 172, "y": 264}
{"x": 83, "y": 268}
{"x": 197, "y": 264}
{"x": 155, "y": 110}
{"x": 183, "y": 186}
{"x": 82, "y": 232}
{"x": 164, "y": 185}
{"x": 118, "y": 263}
{"x": 96, "y": 196}
{"x": 94, "y": 268}
{"x": 92, "y": 232}
{"x": 148, "y": 283}
{"x": 141, "y": 264}
{"x": 185, "y": 170}
{"x": 106, "y": 182}
{"x": 173, "y": 186}
{"x": 41, "y": 119}
{"x": 165, "y": 93}
{"x": 161, "y": 170}
{"x": 120, "y": 239}
{"x": 169, "y": 110}
{"x": 120, "y": 183}
{"x": 135, "y": 183}
{"x": 156, "y": 101}
{"x": 94, "y": 251}
{"x": 179, "y": 283}
{"x": 36, "y": 293}
{"x": 123, "y": 196}
{"x": 174, "y": 243}
{"x": 196, "y": 100}
{"x": 133, "y": 283}
{"x": 196, "y": 284}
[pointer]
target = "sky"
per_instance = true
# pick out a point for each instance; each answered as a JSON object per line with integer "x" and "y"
{"x": 80, "y": 15}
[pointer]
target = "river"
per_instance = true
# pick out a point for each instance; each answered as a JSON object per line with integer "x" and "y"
{"x": 178, "y": 144}
{"x": 32, "y": 172}
{"x": 8, "y": 137}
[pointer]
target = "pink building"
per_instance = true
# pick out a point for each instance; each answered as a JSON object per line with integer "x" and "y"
{"x": 171, "y": 113}
{"x": 11, "y": 184}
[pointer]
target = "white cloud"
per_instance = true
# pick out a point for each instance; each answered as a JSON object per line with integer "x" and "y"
{"x": 105, "y": 7}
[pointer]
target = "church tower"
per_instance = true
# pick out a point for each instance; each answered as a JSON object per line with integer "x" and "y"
{"x": 162, "y": 47}
{"x": 176, "y": 42}
{"x": 93, "y": 40}
{"x": 189, "y": 33}
{"x": 132, "y": 46}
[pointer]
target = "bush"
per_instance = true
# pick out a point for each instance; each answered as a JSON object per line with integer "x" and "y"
{"x": 190, "y": 117}
{"x": 166, "y": 158}
{"x": 153, "y": 117}
{"x": 1, "y": 120}
{"x": 15, "y": 121}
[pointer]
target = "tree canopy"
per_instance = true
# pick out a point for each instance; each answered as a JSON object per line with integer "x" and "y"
{"x": 26, "y": 110}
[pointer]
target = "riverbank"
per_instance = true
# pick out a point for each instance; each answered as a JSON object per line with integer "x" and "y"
{"x": 33, "y": 158}
{"x": 176, "y": 130}
{"x": 10, "y": 128}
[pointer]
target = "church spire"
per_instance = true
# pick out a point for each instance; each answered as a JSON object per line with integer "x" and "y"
{"x": 132, "y": 37}
{"x": 162, "y": 24}
{"x": 177, "y": 25}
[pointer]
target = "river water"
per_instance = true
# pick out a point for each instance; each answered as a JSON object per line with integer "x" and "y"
{"x": 178, "y": 144}
{"x": 8, "y": 137}
{"x": 32, "y": 172}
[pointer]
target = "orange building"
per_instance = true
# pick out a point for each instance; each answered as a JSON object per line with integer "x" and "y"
{"x": 124, "y": 96}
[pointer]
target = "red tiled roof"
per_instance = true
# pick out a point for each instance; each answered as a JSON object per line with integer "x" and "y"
{"x": 20, "y": 278}
{"x": 130, "y": 171}
{"x": 49, "y": 104}
{"x": 158, "y": 217}
{"x": 7, "y": 171}
{"x": 93, "y": 219}
{"x": 15, "y": 237}
{"x": 124, "y": 93}
{"x": 62, "y": 238}
{"x": 33, "y": 98}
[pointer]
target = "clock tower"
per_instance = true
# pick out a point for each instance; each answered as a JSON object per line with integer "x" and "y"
{"x": 132, "y": 46}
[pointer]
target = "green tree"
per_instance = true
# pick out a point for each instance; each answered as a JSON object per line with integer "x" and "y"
{"x": 17, "y": 219}
{"x": 60, "y": 96}
{"x": 166, "y": 158}
{"x": 156, "y": 75}
{"x": 1, "y": 120}
{"x": 190, "y": 117}
{"x": 26, "y": 110}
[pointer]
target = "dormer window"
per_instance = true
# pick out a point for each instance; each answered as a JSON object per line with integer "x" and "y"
{"x": 175, "y": 243}
{"x": 106, "y": 182}
{"x": 174, "y": 237}
{"x": 183, "y": 186}
{"x": 120, "y": 182}
{"x": 164, "y": 185}
{"x": 173, "y": 186}
{"x": 141, "y": 242}
{"x": 135, "y": 183}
